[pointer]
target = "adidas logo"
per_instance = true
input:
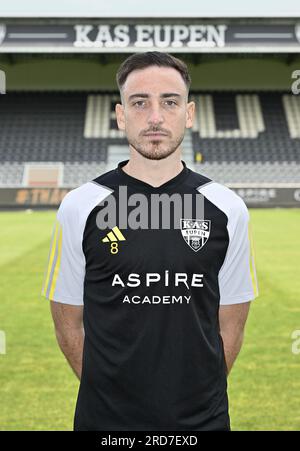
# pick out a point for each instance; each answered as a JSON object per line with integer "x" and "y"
{"x": 113, "y": 237}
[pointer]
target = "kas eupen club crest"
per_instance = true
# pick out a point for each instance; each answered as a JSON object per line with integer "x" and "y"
{"x": 195, "y": 232}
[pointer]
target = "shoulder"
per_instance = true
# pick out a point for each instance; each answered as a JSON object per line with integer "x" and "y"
{"x": 79, "y": 201}
{"x": 109, "y": 179}
{"x": 225, "y": 199}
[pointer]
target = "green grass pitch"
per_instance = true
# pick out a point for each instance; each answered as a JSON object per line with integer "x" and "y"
{"x": 37, "y": 388}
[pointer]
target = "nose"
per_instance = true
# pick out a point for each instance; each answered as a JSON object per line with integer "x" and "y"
{"x": 155, "y": 115}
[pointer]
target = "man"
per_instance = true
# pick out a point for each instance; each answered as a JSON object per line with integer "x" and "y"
{"x": 150, "y": 310}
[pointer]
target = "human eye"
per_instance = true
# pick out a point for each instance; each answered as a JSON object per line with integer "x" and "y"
{"x": 139, "y": 103}
{"x": 170, "y": 103}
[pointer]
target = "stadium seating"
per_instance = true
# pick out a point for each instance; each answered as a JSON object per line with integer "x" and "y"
{"x": 243, "y": 137}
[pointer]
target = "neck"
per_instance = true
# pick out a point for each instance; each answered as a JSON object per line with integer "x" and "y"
{"x": 153, "y": 172}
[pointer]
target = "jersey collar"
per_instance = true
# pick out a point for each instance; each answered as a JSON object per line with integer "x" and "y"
{"x": 140, "y": 184}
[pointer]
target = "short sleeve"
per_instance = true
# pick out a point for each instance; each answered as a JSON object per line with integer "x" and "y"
{"x": 65, "y": 271}
{"x": 237, "y": 276}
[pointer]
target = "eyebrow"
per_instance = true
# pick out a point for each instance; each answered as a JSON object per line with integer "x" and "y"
{"x": 145, "y": 96}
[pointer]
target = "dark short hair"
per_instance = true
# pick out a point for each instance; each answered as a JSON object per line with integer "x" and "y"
{"x": 142, "y": 60}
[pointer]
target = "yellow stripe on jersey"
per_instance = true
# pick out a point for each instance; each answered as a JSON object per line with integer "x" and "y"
{"x": 57, "y": 264}
{"x": 118, "y": 233}
{"x": 252, "y": 262}
{"x": 51, "y": 257}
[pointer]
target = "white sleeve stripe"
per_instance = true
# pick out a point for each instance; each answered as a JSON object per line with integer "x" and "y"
{"x": 236, "y": 280}
{"x": 66, "y": 265}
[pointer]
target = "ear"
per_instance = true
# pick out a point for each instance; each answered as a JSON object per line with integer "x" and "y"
{"x": 190, "y": 114}
{"x": 119, "y": 109}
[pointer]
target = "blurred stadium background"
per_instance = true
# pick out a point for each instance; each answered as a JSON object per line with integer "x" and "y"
{"x": 58, "y": 130}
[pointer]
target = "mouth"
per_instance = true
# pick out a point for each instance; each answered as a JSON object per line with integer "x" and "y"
{"x": 155, "y": 134}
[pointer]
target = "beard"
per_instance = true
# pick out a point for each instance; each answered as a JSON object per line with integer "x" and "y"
{"x": 155, "y": 148}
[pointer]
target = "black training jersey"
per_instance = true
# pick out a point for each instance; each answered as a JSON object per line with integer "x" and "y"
{"x": 151, "y": 266}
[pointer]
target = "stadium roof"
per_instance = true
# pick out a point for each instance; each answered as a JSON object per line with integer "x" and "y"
{"x": 154, "y": 8}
